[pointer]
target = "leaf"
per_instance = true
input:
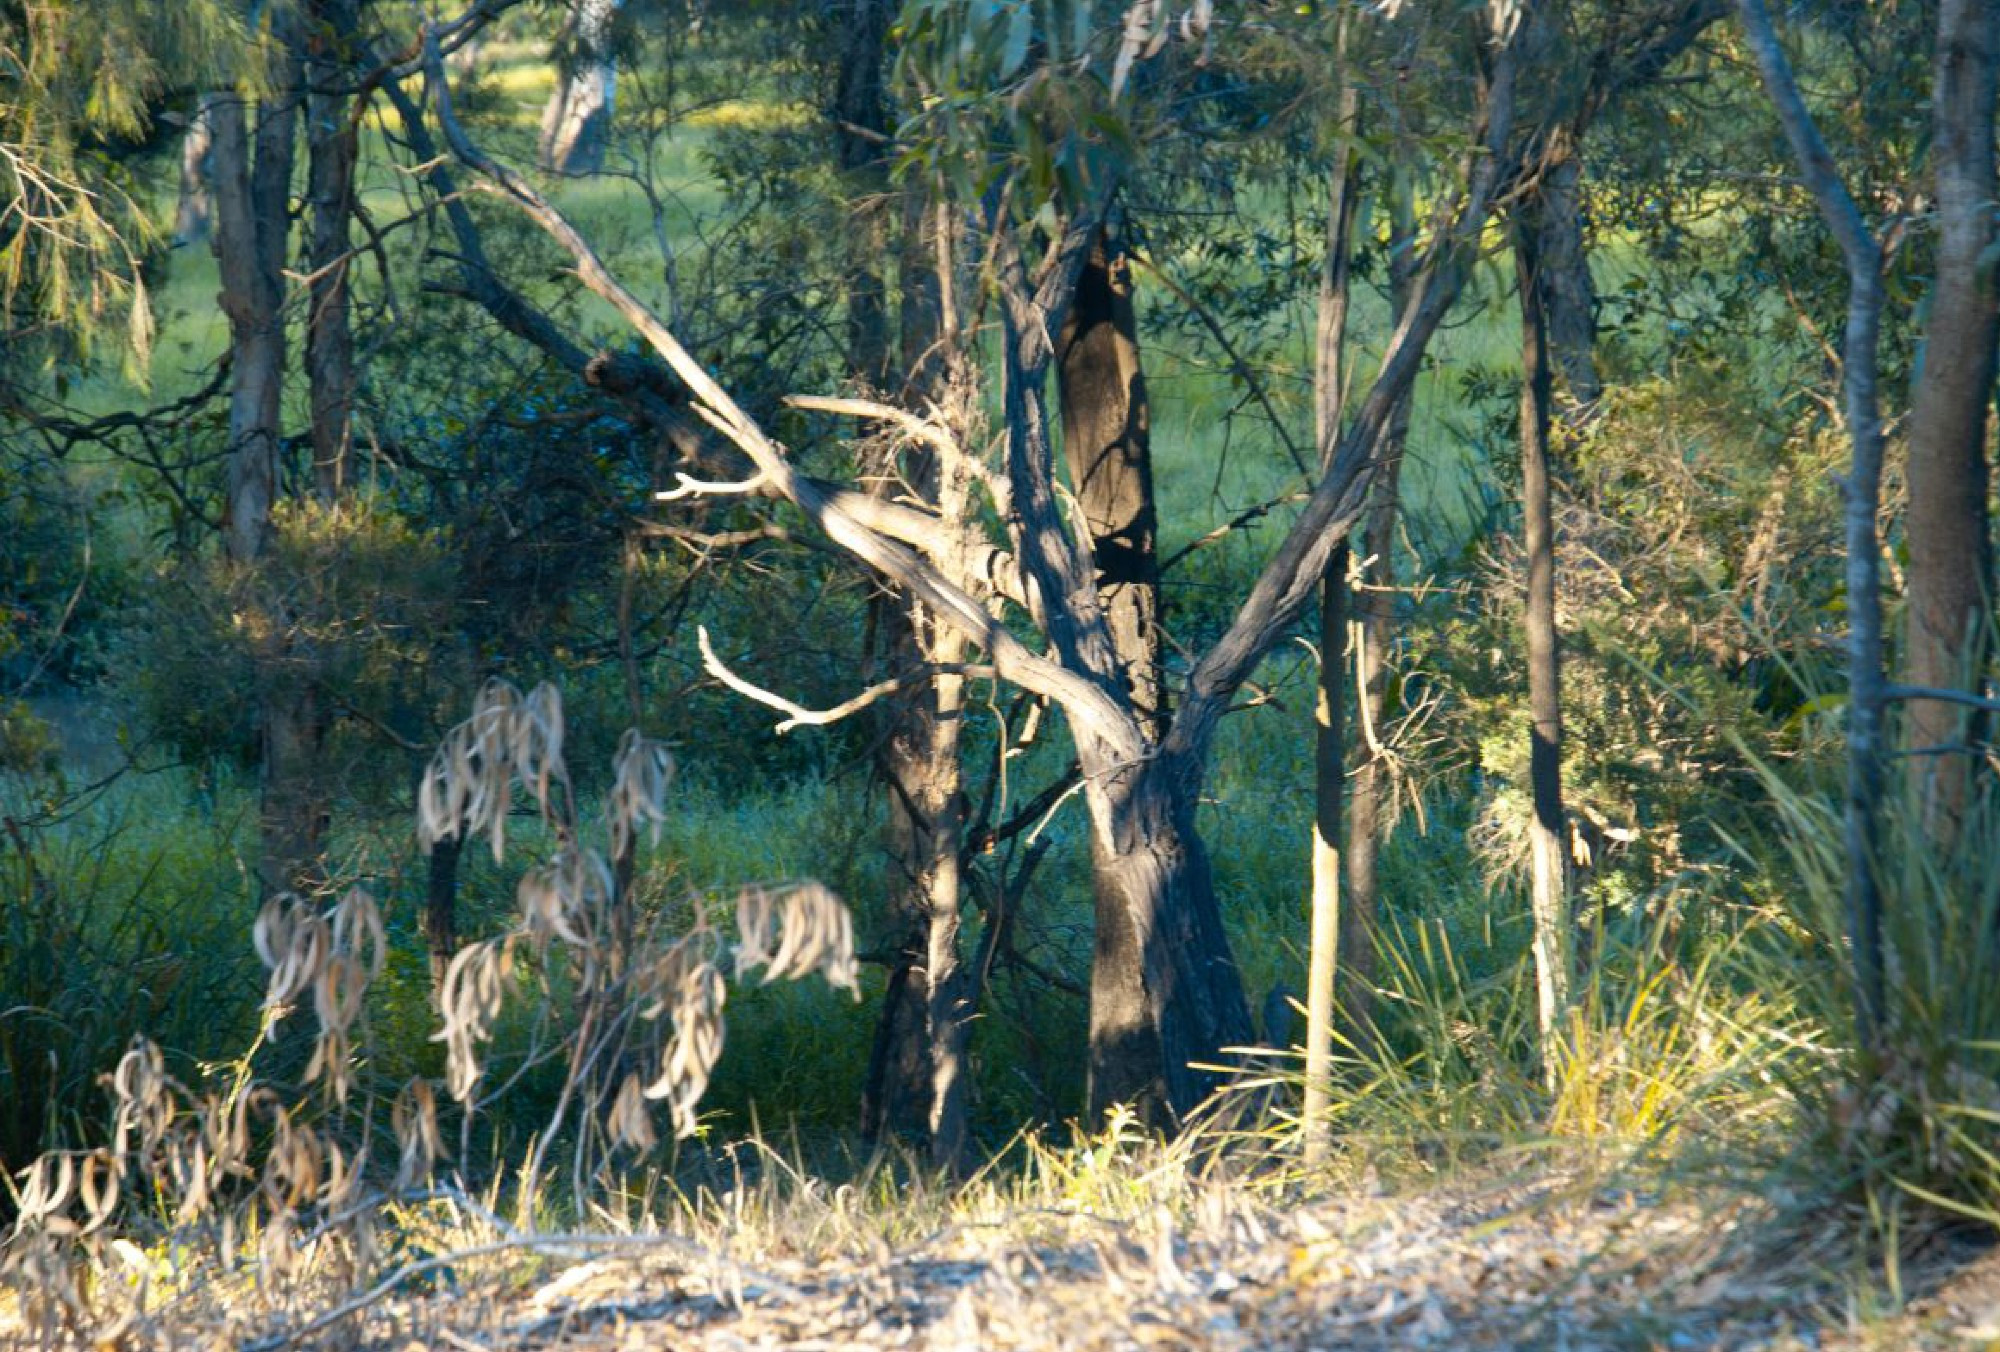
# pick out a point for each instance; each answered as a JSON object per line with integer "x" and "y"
{"x": 1020, "y": 27}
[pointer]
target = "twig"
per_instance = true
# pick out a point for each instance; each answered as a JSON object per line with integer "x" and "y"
{"x": 799, "y": 715}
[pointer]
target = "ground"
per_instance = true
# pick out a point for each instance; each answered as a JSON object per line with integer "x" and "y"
{"x": 1499, "y": 1263}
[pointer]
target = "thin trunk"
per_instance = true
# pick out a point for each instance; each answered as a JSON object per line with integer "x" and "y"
{"x": 1107, "y": 442}
{"x": 252, "y": 191}
{"x": 1862, "y": 491}
{"x": 1569, "y": 298}
{"x": 1329, "y": 740}
{"x": 576, "y": 125}
{"x": 192, "y": 216}
{"x": 1374, "y": 620}
{"x": 251, "y": 185}
{"x": 1950, "y": 609}
{"x": 330, "y": 152}
{"x": 1546, "y": 834}
{"x": 861, "y": 139}
{"x": 440, "y": 921}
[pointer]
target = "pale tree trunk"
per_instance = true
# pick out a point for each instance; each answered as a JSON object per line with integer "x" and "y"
{"x": 1107, "y": 442}
{"x": 251, "y": 182}
{"x": 330, "y": 155}
{"x": 1862, "y": 490}
{"x": 1329, "y": 741}
{"x": 193, "y": 213}
{"x": 1951, "y": 564}
{"x": 576, "y": 124}
{"x": 1548, "y": 855}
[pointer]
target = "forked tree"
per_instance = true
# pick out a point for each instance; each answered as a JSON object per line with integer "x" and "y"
{"x": 1166, "y": 999}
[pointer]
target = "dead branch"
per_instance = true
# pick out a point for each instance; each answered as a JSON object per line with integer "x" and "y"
{"x": 797, "y": 715}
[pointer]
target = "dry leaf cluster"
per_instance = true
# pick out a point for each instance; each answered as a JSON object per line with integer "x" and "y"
{"x": 234, "y": 1168}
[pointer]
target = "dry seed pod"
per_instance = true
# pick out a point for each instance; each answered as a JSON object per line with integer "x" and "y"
{"x": 469, "y": 1001}
{"x": 642, "y": 772}
{"x": 630, "y": 1124}
{"x": 414, "y": 1120}
{"x": 696, "y": 1000}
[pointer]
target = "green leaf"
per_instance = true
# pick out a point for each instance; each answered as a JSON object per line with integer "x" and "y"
{"x": 1020, "y": 27}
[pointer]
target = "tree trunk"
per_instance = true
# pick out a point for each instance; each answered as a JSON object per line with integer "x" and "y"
{"x": 251, "y": 186}
{"x": 193, "y": 213}
{"x": 576, "y": 125}
{"x": 860, "y": 115}
{"x": 1165, "y": 997}
{"x": 330, "y": 154}
{"x": 1107, "y": 442}
{"x": 1950, "y": 608}
{"x": 1546, "y": 834}
{"x": 1368, "y": 785}
{"x": 251, "y": 182}
{"x": 1569, "y": 297}
{"x": 1862, "y": 491}
{"x": 1329, "y": 740}
{"x": 440, "y": 922}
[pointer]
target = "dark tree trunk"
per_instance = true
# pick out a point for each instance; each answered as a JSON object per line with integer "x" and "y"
{"x": 1546, "y": 835}
{"x": 1569, "y": 298}
{"x": 251, "y": 182}
{"x": 861, "y": 139}
{"x": 576, "y": 125}
{"x": 440, "y": 922}
{"x": 1862, "y": 491}
{"x": 1951, "y": 565}
{"x": 1368, "y": 785}
{"x": 1107, "y": 442}
{"x": 330, "y": 154}
{"x": 896, "y": 1097}
{"x": 1165, "y": 997}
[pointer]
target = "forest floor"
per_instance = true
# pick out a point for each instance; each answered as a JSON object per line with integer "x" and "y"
{"x": 1553, "y": 1262}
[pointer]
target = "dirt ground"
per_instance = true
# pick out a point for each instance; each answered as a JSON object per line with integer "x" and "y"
{"x": 1503, "y": 1265}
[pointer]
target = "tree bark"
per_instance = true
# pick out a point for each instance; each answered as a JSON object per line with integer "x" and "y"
{"x": 1107, "y": 442}
{"x": 194, "y": 210}
{"x": 330, "y": 156}
{"x": 251, "y": 182}
{"x": 1165, "y": 996}
{"x": 1374, "y": 620}
{"x": 1548, "y": 854}
{"x": 1951, "y": 564}
{"x": 576, "y": 124}
{"x": 440, "y": 921}
{"x": 1569, "y": 297}
{"x": 1329, "y": 740}
{"x": 861, "y": 136}
{"x": 1862, "y": 492}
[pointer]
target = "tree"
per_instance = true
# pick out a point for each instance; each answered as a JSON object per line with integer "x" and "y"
{"x": 576, "y": 124}
{"x": 1166, "y": 998}
{"x": 1951, "y": 561}
{"x": 1867, "y": 693}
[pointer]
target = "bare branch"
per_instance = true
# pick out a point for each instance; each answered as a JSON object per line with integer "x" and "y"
{"x": 1088, "y": 701}
{"x": 800, "y": 716}
{"x": 1966, "y": 698}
